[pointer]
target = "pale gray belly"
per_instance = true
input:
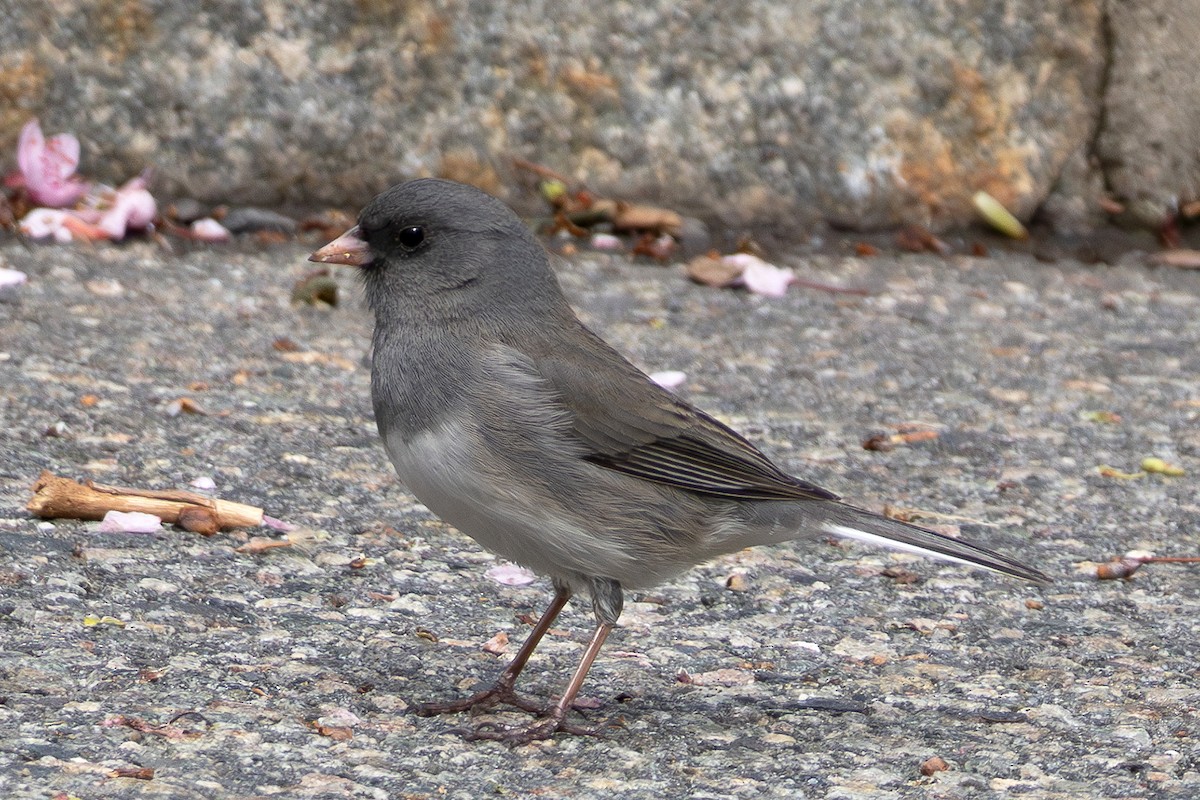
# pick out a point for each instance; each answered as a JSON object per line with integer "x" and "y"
{"x": 504, "y": 514}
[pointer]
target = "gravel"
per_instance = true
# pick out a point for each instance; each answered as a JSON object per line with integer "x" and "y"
{"x": 806, "y": 670}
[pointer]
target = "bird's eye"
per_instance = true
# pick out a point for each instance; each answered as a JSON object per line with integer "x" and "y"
{"x": 411, "y": 237}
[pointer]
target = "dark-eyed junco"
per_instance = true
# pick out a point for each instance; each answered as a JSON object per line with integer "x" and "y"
{"x": 516, "y": 424}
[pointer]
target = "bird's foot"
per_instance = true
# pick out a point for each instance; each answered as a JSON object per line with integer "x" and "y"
{"x": 499, "y": 694}
{"x": 532, "y": 731}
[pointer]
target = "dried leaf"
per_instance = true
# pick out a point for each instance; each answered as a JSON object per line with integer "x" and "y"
{"x": 933, "y": 765}
{"x": 184, "y": 405}
{"x": 497, "y": 645}
{"x": 261, "y": 544}
{"x": 335, "y": 732}
{"x": 919, "y": 239}
{"x": 627, "y": 216}
{"x": 999, "y": 217}
{"x": 713, "y": 270}
{"x": 1112, "y": 472}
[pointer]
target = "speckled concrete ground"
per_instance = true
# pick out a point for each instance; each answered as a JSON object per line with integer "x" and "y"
{"x": 818, "y": 675}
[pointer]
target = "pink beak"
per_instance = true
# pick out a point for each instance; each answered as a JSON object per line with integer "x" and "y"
{"x": 349, "y": 249}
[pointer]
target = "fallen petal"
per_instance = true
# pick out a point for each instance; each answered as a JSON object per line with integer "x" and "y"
{"x": 129, "y": 522}
{"x": 42, "y": 223}
{"x": 763, "y": 278}
{"x": 133, "y": 208}
{"x": 204, "y": 482}
{"x": 669, "y": 378}
{"x": 606, "y": 241}
{"x": 11, "y": 277}
{"x": 209, "y": 230}
{"x": 48, "y": 166}
{"x": 510, "y": 575}
{"x": 277, "y": 524}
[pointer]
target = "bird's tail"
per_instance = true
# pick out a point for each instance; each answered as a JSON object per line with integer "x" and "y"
{"x": 847, "y": 522}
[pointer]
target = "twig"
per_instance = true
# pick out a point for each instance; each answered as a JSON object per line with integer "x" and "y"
{"x": 1123, "y": 568}
{"x": 62, "y": 498}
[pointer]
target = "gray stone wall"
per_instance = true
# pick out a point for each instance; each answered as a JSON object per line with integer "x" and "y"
{"x": 863, "y": 113}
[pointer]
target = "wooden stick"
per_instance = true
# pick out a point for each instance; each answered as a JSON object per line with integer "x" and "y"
{"x": 62, "y": 498}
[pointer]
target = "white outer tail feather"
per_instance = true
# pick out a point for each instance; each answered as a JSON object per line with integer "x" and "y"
{"x": 846, "y": 532}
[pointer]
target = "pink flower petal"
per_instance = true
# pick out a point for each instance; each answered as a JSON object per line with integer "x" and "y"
{"x": 42, "y": 223}
{"x": 11, "y": 277}
{"x": 669, "y": 378}
{"x": 209, "y": 230}
{"x": 606, "y": 241}
{"x": 510, "y": 575}
{"x": 204, "y": 483}
{"x": 129, "y": 522}
{"x": 133, "y": 208}
{"x": 30, "y": 146}
{"x": 48, "y": 166}
{"x": 761, "y": 277}
{"x": 277, "y": 524}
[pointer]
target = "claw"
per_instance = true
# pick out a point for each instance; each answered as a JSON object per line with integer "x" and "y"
{"x": 534, "y": 731}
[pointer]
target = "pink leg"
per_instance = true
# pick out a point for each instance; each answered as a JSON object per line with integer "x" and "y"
{"x": 502, "y": 690}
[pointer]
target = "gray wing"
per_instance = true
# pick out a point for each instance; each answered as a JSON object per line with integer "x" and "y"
{"x": 630, "y": 424}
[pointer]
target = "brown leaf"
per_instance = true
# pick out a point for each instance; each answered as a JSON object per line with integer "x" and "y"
{"x": 935, "y": 764}
{"x": 919, "y": 239}
{"x": 184, "y": 405}
{"x": 261, "y": 544}
{"x": 285, "y": 345}
{"x": 636, "y": 217}
{"x": 712, "y": 270}
{"x": 901, "y": 575}
{"x": 335, "y": 732}
{"x": 497, "y": 645}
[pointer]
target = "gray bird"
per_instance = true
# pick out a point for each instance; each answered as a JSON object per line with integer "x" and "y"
{"x": 516, "y": 424}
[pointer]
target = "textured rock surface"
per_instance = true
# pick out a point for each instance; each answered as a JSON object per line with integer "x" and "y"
{"x": 298, "y": 667}
{"x": 861, "y": 113}
{"x": 1149, "y": 145}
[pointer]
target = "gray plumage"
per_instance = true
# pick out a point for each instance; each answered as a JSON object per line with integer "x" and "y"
{"x": 516, "y": 424}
